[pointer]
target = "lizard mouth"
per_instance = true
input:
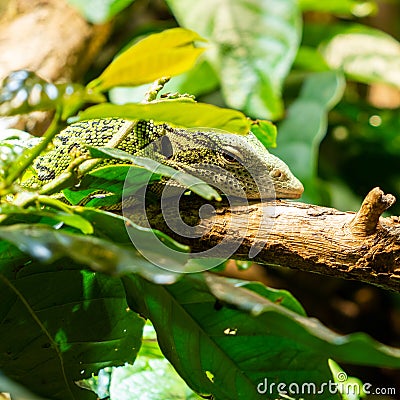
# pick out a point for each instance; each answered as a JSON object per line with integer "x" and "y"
{"x": 294, "y": 192}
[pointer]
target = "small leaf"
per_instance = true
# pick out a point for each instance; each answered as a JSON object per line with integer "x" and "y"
{"x": 162, "y": 54}
{"x": 265, "y": 131}
{"x": 175, "y": 112}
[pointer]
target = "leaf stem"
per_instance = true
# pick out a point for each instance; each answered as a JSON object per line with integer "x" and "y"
{"x": 27, "y": 157}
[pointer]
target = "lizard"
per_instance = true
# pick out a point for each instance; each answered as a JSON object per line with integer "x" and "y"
{"x": 238, "y": 165}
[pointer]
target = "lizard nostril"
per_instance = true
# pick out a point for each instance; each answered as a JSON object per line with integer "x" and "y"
{"x": 276, "y": 173}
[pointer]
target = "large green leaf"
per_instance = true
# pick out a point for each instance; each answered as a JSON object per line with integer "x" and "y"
{"x": 305, "y": 126}
{"x": 256, "y": 43}
{"x": 100, "y": 11}
{"x": 187, "y": 114}
{"x": 48, "y": 245}
{"x": 59, "y": 324}
{"x": 365, "y": 54}
{"x": 162, "y": 54}
{"x": 227, "y": 340}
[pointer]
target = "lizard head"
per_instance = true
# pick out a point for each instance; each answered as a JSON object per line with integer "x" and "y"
{"x": 238, "y": 166}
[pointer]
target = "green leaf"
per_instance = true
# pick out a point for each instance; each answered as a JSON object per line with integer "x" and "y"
{"x": 68, "y": 218}
{"x": 256, "y": 43}
{"x": 378, "y": 61}
{"x": 100, "y": 11}
{"x": 265, "y": 131}
{"x": 110, "y": 179}
{"x": 342, "y": 7}
{"x": 175, "y": 112}
{"x": 301, "y": 132}
{"x": 59, "y": 324}
{"x": 229, "y": 349}
{"x": 161, "y": 54}
{"x": 48, "y": 245}
{"x": 195, "y": 184}
{"x": 310, "y": 59}
{"x": 23, "y": 92}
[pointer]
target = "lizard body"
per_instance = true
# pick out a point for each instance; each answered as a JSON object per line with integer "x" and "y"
{"x": 237, "y": 165}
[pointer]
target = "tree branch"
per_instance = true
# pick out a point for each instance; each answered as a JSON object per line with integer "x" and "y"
{"x": 51, "y": 38}
{"x": 362, "y": 246}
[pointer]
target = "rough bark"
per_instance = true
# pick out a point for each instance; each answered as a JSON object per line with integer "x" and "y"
{"x": 363, "y": 246}
{"x": 49, "y": 37}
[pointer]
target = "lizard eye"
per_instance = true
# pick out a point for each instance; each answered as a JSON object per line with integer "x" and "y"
{"x": 231, "y": 156}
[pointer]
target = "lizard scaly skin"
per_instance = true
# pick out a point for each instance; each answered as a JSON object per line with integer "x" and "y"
{"x": 237, "y": 165}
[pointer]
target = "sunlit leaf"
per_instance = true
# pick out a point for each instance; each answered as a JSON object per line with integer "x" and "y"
{"x": 180, "y": 113}
{"x": 265, "y": 131}
{"x": 256, "y": 43}
{"x": 162, "y": 54}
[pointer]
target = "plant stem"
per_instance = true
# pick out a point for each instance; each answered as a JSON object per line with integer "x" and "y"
{"x": 27, "y": 157}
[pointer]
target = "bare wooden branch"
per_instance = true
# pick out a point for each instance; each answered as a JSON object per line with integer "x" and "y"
{"x": 297, "y": 235}
{"x": 367, "y": 219}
